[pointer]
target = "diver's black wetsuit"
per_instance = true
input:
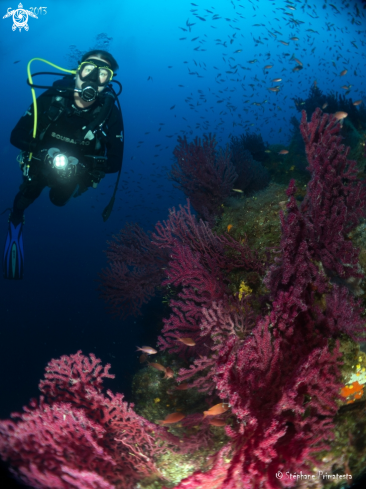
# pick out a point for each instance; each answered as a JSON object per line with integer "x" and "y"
{"x": 64, "y": 134}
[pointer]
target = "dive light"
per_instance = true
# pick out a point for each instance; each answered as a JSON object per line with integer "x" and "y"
{"x": 65, "y": 165}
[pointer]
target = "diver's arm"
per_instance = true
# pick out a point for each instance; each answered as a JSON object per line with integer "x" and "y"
{"x": 115, "y": 142}
{"x": 22, "y": 134}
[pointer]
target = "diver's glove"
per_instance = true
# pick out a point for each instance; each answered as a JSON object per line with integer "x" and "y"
{"x": 89, "y": 177}
{"x": 96, "y": 162}
{"x": 96, "y": 176}
{"x": 96, "y": 171}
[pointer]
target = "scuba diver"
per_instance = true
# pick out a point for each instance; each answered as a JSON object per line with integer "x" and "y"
{"x": 77, "y": 139}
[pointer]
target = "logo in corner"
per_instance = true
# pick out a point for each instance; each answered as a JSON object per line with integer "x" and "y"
{"x": 20, "y": 17}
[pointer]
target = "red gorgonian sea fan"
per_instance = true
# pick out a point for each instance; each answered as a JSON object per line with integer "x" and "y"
{"x": 75, "y": 435}
{"x": 134, "y": 271}
{"x": 205, "y": 175}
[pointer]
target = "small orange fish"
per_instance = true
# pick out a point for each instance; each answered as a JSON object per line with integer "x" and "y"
{"x": 297, "y": 68}
{"x": 297, "y": 61}
{"x": 158, "y": 367}
{"x": 340, "y": 115}
{"x": 220, "y": 408}
{"x": 169, "y": 374}
{"x": 268, "y": 67}
{"x": 283, "y": 152}
{"x": 147, "y": 349}
{"x": 187, "y": 341}
{"x": 344, "y": 72}
{"x": 358, "y": 102}
{"x": 274, "y": 89}
{"x": 294, "y": 39}
{"x": 229, "y": 227}
{"x": 172, "y": 418}
{"x": 217, "y": 422}
{"x": 284, "y": 43}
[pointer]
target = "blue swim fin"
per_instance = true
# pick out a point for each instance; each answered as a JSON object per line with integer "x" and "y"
{"x": 13, "y": 262}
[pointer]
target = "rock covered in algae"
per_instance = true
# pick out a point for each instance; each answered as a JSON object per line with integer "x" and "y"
{"x": 155, "y": 398}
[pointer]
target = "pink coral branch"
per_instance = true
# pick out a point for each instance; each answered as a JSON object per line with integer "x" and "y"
{"x": 134, "y": 271}
{"x": 76, "y": 426}
{"x": 204, "y": 174}
{"x": 335, "y": 200}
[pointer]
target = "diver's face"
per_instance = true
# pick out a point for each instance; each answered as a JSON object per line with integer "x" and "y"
{"x": 103, "y": 76}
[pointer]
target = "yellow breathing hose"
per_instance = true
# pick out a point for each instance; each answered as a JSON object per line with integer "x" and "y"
{"x": 73, "y": 72}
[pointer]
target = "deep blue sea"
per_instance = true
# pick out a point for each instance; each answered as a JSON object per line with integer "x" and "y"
{"x": 186, "y": 69}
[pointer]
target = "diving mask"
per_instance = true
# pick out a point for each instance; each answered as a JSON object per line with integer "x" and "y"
{"x": 94, "y": 73}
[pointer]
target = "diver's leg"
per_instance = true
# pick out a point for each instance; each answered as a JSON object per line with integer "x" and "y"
{"x": 29, "y": 191}
{"x": 61, "y": 194}
{"x": 13, "y": 258}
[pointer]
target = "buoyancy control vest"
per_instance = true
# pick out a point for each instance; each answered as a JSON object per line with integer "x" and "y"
{"x": 92, "y": 130}
{"x": 99, "y": 115}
